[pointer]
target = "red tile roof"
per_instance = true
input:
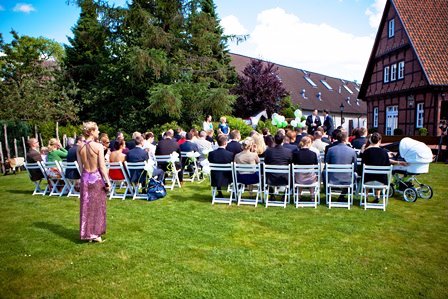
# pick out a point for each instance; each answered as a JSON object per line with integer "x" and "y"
{"x": 294, "y": 80}
{"x": 426, "y": 23}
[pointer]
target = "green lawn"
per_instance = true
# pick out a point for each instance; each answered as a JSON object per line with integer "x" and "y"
{"x": 183, "y": 247}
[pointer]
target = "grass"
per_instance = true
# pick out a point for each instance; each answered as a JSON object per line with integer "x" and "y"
{"x": 183, "y": 247}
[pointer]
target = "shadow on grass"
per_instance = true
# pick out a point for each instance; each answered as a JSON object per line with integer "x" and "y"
{"x": 66, "y": 233}
{"x": 15, "y": 191}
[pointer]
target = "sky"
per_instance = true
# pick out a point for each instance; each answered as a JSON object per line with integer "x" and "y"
{"x": 331, "y": 37}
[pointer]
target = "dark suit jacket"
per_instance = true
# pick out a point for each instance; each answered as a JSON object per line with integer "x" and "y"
{"x": 137, "y": 154}
{"x": 220, "y": 156}
{"x": 167, "y": 147}
{"x": 278, "y": 155}
{"x": 130, "y": 144}
{"x": 359, "y": 142}
{"x": 290, "y": 146}
{"x": 309, "y": 121}
{"x": 34, "y": 156}
{"x": 234, "y": 147}
{"x": 328, "y": 125}
{"x": 71, "y": 157}
{"x": 189, "y": 146}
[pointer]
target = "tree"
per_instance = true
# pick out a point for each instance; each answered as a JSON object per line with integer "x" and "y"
{"x": 29, "y": 81}
{"x": 259, "y": 88}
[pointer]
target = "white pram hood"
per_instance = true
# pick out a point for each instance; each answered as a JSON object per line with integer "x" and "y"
{"x": 413, "y": 151}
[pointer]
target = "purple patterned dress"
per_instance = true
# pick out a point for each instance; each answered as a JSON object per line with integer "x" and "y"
{"x": 93, "y": 205}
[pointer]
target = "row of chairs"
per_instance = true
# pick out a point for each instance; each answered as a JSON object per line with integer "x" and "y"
{"x": 280, "y": 195}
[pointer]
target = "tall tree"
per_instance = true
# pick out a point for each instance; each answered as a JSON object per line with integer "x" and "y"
{"x": 86, "y": 57}
{"x": 29, "y": 81}
{"x": 259, "y": 88}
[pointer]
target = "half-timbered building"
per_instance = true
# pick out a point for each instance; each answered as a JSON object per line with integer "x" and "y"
{"x": 405, "y": 84}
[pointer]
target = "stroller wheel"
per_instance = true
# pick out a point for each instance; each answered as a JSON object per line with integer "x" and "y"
{"x": 410, "y": 195}
{"x": 391, "y": 190}
{"x": 425, "y": 191}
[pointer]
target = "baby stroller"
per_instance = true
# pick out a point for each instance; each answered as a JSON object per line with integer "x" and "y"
{"x": 418, "y": 156}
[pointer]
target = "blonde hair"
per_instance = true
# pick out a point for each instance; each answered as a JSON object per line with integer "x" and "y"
{"x": 223, "y": 119}
{"x": 260, "y": 146}
{"x": 247, "y": 143}
{"x": 52, "y": 143}
{"x": 305, "y": 141}
{"x": 88, "y": 127}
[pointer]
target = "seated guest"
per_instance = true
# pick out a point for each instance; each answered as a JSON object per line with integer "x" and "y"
{"x": 137, "y": 154}
{"x": 148, "y": 145}
{"x": 248, "y": 156}
{"x": 188, "y": 146}
{"x": 70, "y": 143}
{"x": 118, "y": 156}
{"x": 341, "y": 154}
{"x": 353, "y": 135}
{"x": 360, "y": 139}
{"x": 234, "y": 145}
{"x": 209, "y": 136}
{"x": 168, "y": 146}
{"x": 104, "y": 140}
{"x": 299, "y": 135}
{"x": 305, "y": 156}
{"x": 44, "y": 153}
{"x": 194, "y": 134}
{"x": 111, "y": 144}
{"x": 203, "y": 145}
{"x": 182, "y": 137}
{"x": 72, "y": 157}
{"x": 55, "y": 151}
{"x": 177, "y": 134}
{"x": 292, "y": 135}
{"x": 220, "y": 179}
{"x": 318, "y": 143}
{"x": 269, "y": 141}
{"x": 277, "y": 155}
{"x": 34, "y": 156}
{"x": 260, "y": 146}
{"x": 288, "y": 145}
{"x": 374, "y": 155}
{"x": 131, "y": 143}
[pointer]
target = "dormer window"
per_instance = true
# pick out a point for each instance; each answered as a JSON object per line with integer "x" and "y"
{"x": 348, "y": 89}
{"x": 308, "y": 79}
{"x": 357, "y": 102}
{"x": 325, "y": 83}
{"x": 391, "y": 28}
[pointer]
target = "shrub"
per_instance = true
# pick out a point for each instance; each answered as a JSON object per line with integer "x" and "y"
{"x": 398, "y": 132}
{"x": 240, "y": 125}
{"x": 158, "y": 130}
{"x": 261, "y": 125}
{"x": 423, "y": 132}
{"x": 372, "y": 130}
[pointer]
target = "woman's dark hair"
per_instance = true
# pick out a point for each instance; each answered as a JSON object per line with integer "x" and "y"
{"x": 118, "y": 142}
{"x": 269, "y": 140}
{"x": 375, "y": 138}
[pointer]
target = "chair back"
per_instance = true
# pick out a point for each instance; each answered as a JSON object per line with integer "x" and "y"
{"x": 277, "y": 175}
{"x": 339, "y": 175}
{"x": 306, "y": 169}
{"x": 371, "y": 169}
{"x": 35, "y": 168}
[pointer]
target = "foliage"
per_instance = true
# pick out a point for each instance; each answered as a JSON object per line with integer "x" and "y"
{"x": 259, "y": 88}
{"x": 239, "y": 124}
{"x": 266, "y": 124}
{"x": 398, "y": 132}
{"x": 158, "y": 130}
{"x": 30, "y": 86}
{"x": 183, "y": 247}
{"x": 423, "y": 132}
{"x": 287, "y": 107}
{"x": 152, "y": 62}
{"x": 372, "y": 130}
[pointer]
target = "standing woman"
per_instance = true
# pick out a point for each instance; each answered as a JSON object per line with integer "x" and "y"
{"x": 94, "y": 185}
{"x": 207, "y": 125}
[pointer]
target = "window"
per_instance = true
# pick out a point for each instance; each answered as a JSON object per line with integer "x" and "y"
{"x": 308, "y": 79}
{"x": 348, "y": 89}
{"x": 401, "y": 70}
{"x": 391, "y": 119}
{"x": 375, "y": 117}
{"x": 393, "y": 72}
{"x": 386, "y": 74}
{"x": 420, "y": 113}
{"x": 391, "y": 31}
{"x": 325, "y": 83}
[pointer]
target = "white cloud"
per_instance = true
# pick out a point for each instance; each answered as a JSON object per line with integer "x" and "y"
{"x": 283, "y": 38}
{"x": 232, "y": 25}
{"x": 23, "y": 7}
{"x": 375, "y": 12}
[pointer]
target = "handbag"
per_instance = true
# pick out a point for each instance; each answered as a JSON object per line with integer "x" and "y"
{"x": 156, "y": 189}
